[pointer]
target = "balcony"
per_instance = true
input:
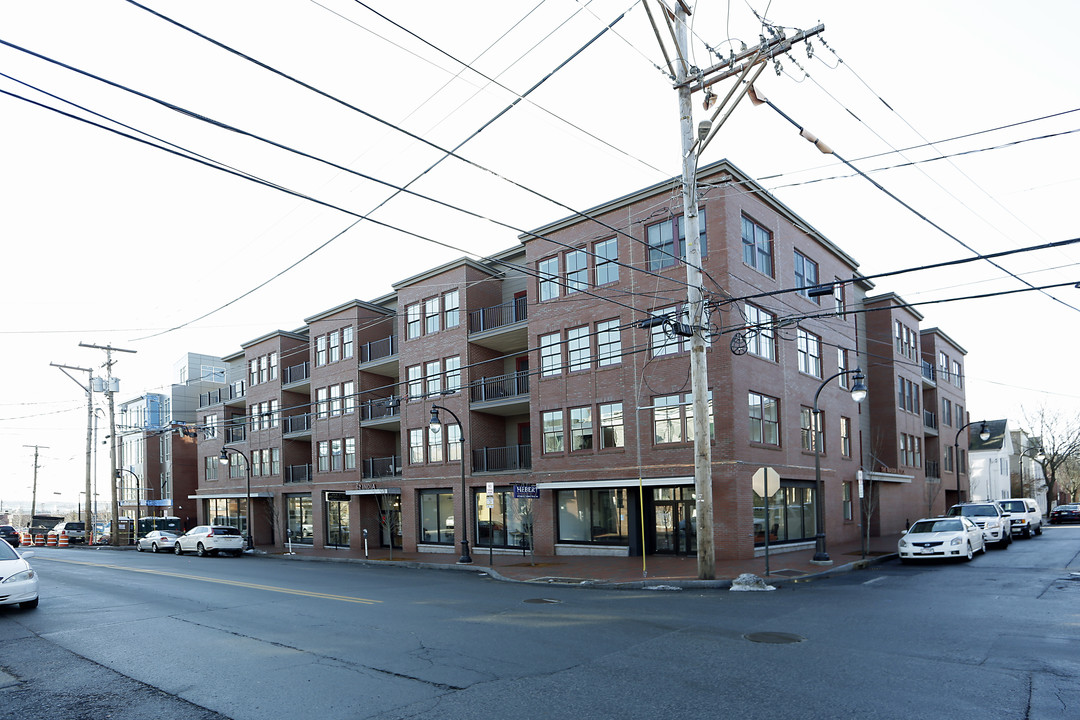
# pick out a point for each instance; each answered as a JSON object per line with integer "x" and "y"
{"x": 929, "y": 375}
{"x": 500, "y": 327}
{"x": 933, "y": 469}
{"x": 235, "y": 434}
{"x": 380, "y": 356}
{"x": 502, "y": 394}
{"x": 297, "y": 377}
{"x": 231, "y": 395}
{"x": 502, "y": 459}
{"x": 296, "y": 426}
{"x": 382, "y": 467}
{"x": 374, "y": 413}
{"x": 298, "y": 473}
{"x": 930, "y": 422}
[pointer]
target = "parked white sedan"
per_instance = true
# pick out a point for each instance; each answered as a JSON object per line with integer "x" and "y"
{"x": 951, "y": 537}
{"x": 18, "y": 581}
{"x": 156, "y": 540}
{"x": 210, "y": 540}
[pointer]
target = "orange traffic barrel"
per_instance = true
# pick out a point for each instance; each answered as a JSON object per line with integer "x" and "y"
{"x": 39, "y": 540}
{"x": 62, "y": 540}
{"x": 26, "y": 539}
{"x": 51, "y": 539}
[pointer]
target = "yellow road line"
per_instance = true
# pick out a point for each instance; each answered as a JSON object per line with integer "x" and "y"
{"x": 234, "y": 583}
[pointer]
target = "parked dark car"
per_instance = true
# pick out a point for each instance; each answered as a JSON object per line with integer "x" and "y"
{"x": 1064, "y": 514}
{"x": 9, "y": 533}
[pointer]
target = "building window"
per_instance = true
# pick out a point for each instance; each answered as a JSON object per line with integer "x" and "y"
{"x": 578, "y": 348}
{"x": 320, "y": 351}
{"x": 335, "y": 400}
{"x": 757, "y": 247}
{"x": 845, "y": 437}
{"x": 667, "y": 419}
{"x": 347, "y": 342}
{"x": 336, "y": 458}
{"x": 664, "y": 340}
{"x": 416, "y": 446}
{"x": 552, "y": 421}
{"x": 908, "y": 395}
{"x": 300, "y": 520}
{"x": 848, "y": 511}
{"x": 436, "y": 517}
{"x": 907, "y": 342}
{"x": 808, "y": 425}
{"x": 839, "y": 299}
{"x": 253, "y": 375}
{"x": 611, "y": 425}
{"x": 275, "y": 461}
{"x": 337, "y": 519}
{"x": 806, "y": 276}
{"x": 957, "y": 374}
{"x": 949, "y": 462}
{"x": 910, "y": 450}
{"x": 577, "y": 271}
{"x": 431, "y": 315}
{"x": 550, "y": 355}
{"x": 764, "y": 419}
{"x": 607, "y": 258}
{"x": 453, "y": 373}
{"x": 959, "y": 414}
{"x": 414, "y": 381}
{"x": 809, "y": 346}
{"x": 667, "y": 241}
{"x": 348, "y": 397}
{"x": 548, "y": 271}
{"x": 334, "y": 344}
{"x": 210, "y": 427}
{"x": 608, "y": 343}
{"x": 593, "y": 516}
{"x": 581, "y": 429}
{"x": 322, "y": 403}
{"x": 434, "y": 445}
{"x": 842, "y": 367}
{"x": 413, "y": 321}
{"x": 211, "y": 465}
{"x": 433, "y": 376}
{"x": 453, "y": 443}
{"x": 323, "y": 450}
{"x": 760, "y": 340}
{"x": 451, "y": 309}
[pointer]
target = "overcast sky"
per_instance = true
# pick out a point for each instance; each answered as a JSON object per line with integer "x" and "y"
{"x": 111, "y": 241}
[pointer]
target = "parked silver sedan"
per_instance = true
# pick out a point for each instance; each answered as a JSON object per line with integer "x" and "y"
{"x": 210, "y": 540}
{"x": 156, "y": 540}
{"x": 947, "y": 537}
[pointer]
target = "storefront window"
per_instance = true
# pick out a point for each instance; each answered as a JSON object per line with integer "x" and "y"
{"x": 229, "y": 512}
{"x": 593, "y": 516}
{"x": 507, "y": 523}
{"x": 337, "y": 519}
{"x": 436, "y": 517}
{"x": 791, "y": 517}
{"x": 301, "y": 526}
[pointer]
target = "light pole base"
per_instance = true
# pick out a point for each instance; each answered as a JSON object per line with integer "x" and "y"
{"x": 821, "y": 560}
{"x": 465, "y": 558}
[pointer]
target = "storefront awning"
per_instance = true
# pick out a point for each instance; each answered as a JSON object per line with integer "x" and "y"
{"x": 230, "y": 496}
{"x": 628, "y": 482}
{"x": 374, "y": 491}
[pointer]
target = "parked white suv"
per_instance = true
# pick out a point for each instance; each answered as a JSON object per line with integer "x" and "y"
{"x": 991, "y": 519}
{"x": 1027, "y": 518}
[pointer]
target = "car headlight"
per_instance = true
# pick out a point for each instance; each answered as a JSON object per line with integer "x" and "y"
{"x": 956, "y": 540}
{"x": 903, "y": 542}
{"x": 21, "y": 576}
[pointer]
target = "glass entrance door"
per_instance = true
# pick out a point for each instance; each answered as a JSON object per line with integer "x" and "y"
{"x": 675, "y": 521}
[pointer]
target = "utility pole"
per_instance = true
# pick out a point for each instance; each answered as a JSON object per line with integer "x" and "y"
{"x": 89, "y": 389}
{"x": 109, "y": 388}
{"x": 33, "y": 498}
{"x": 693, "y": 141}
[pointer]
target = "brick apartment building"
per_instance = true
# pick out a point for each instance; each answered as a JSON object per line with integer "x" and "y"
{"x": 540, "y": 354}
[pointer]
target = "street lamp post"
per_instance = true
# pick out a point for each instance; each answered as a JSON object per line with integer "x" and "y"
{"x": 984, "y": 435}
{"x": 223, "y": 458}
{"x": 138, "y": 502}
{"x": 858, "y": 394}
{"x": 436, "y": 425}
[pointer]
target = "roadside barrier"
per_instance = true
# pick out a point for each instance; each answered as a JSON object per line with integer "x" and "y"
{"x": 51, "y": 539}
{"x": 26, "y": 539}
{"x": 62, "y": 540}
{"x": 39, "y": 540}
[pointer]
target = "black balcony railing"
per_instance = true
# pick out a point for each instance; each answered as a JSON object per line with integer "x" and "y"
{"x": 933, "y": 469}
{"x": 378, "y": 349}
{"x": 207, "y": 399}
{"x": 930, "y": 419}
{"x": 382, "y": 467}
{"x": 378, "y": 409}
{"x": 500, "y": 387}
{"x": 498, "y": 316}
{"x": 298, "y": 473}
{"x": 297, "y": 373}
{"x": 235, "y": 434}
{"x": 497, "y": 459}
{"x": 297, "y": 423}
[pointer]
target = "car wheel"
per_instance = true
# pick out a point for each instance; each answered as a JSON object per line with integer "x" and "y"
{"x": 29, "y": 604}
{"x": 1027, "y": 533}
{"x": 138, "y": 547}
{"x": 1038, "y": 530}
{"x": 153, "y": 548}
{"x": 200, "y": 550}
{"x": 177, "y": 549}
{"x": 969, "y": 554}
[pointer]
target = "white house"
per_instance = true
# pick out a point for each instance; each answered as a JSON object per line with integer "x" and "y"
{"x": 990, "y": 463}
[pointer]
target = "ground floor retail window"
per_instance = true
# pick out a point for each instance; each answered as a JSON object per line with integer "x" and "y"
{"x": 301, "y": 528}
{"x": 507, "y": 522}
{"x": 593, "y": 516}
{"x": 389, "y": 520}
{"x": 337, "y": 519}
{"x": 436, "y": 517}
{"x": 792, "y": 516}
{"x": 229, "y": 512}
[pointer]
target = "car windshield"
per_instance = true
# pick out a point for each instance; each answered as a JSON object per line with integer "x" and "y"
{"x": 974, "y": 511}
{"x": 933, "y": 526}
{"x": 7, "y": 552}
{"x": 1014, "y": 506}
{"x": 226, "y": 531}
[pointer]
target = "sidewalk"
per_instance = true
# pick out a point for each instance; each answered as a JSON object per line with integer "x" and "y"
{"x": 629, "y": 572}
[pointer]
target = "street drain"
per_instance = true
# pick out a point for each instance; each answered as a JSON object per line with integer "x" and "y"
{"x": 774, "y": 638}
{"x": 542, "y": 601}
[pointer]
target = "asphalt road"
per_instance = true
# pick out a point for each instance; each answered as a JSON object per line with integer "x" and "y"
{"x": 131, "y": 635}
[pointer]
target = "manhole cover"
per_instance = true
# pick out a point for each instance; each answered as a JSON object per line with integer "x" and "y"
{"x": 542, "y": 601}
{"x": 774, "y": 638}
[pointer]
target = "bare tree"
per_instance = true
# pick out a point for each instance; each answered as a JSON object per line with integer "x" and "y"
{"x": 1059, "y": 439}
{"x": 389, "y": 517}
{"x": 1069, "y": 478}
{"x": 931, "y": 490}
